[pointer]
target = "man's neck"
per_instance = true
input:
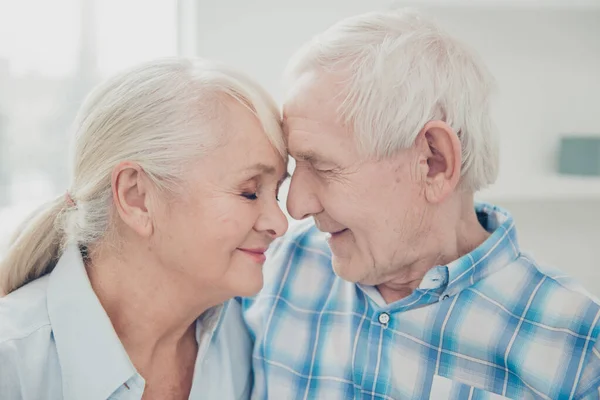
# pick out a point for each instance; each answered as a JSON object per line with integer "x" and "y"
{"x": 447, "y": 243}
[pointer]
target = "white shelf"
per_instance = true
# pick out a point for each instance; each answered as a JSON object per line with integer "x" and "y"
{"x": 505, "y": 4}
{"x": 547, "y": 188}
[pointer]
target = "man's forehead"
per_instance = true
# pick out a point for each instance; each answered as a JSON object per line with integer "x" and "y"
{"x": 310, "y": 117}
{"x": 313, "y": 95}
{"x": 316, "y": 141}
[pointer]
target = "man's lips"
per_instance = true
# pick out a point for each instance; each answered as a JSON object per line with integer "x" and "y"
{"x": 337, "y": 233}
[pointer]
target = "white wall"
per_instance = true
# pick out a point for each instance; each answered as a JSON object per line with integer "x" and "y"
{"x": 563, "y": 234}
{"x": 546, "y": 61}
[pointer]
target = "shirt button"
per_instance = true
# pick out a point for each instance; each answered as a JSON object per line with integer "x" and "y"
{"x": 384, "y": 318}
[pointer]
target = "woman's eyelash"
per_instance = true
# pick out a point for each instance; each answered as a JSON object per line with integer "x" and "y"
{"x": 254, "y": 196}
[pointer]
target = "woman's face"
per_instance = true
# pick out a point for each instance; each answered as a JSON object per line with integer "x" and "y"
{"x": 216, "y": 234}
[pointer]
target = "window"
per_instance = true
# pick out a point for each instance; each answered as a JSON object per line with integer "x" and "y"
{"x": 51, "y": 54}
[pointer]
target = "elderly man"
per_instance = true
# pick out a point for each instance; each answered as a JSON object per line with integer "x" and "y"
{"x": 403, "y": 287}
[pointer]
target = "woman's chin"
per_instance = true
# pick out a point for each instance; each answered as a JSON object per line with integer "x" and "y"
{"x": 249, "y": 290}
{"x": 248, "y": 285}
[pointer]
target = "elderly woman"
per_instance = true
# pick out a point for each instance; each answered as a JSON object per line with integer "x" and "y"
{"x": 121, "y": 288}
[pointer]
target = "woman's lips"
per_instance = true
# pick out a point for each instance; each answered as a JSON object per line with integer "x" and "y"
{"x": 258, "y": 254}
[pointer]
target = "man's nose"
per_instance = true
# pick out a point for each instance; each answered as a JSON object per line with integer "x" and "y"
{"x": 302, "y": 201}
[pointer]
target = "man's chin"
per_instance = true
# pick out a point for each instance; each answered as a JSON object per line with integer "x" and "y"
{"x": 346, "y": 271}
{"x": 353, "y": 273}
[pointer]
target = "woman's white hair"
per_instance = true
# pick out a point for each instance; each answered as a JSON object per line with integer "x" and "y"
{"x": 399, "y": 71}
{"x": 161, "y": 115}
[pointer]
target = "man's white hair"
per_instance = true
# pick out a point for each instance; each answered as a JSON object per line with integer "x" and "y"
{"x": 399, "y": 71}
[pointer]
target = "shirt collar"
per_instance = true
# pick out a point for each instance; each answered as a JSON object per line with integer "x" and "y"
{"x": 497, "y": 251}
{"x": 93, "y": 361}
{"x": 443, "y": 281}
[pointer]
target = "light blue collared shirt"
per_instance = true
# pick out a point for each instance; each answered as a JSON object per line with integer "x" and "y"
{"x": 57, "y": 342}
{"x": 489, "y": 325}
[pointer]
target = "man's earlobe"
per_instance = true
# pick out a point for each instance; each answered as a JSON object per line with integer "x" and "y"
{"x": 442, "y": 150}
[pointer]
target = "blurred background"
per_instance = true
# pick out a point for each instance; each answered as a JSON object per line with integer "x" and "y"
{"x": 545, "y": 55}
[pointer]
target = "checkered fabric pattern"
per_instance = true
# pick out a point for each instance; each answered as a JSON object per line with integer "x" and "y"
{"x": 489, "y": 325}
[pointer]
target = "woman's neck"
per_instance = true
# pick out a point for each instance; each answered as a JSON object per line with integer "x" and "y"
{"x": 153, "y": 309}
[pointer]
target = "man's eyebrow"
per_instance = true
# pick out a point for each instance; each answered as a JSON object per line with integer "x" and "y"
{"x": 308, "y": 156}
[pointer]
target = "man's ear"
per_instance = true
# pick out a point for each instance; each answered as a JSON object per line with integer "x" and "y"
{"x": 441, "y": 157}
{"x": 131, "y": 197}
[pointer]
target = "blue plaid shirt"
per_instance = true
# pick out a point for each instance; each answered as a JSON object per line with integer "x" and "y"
{"x": 489, "y": 325}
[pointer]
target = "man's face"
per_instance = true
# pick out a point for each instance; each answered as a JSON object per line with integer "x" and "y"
{"x": 374, "y": 209}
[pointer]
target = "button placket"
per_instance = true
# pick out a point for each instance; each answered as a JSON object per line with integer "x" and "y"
{"x": 384, "y": 318}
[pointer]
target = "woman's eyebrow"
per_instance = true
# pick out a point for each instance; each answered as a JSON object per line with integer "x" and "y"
{"x": 265, "y": 169}
{"x": 262, "y": 168}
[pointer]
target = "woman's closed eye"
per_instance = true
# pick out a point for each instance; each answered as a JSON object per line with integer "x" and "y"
{"x": 254, "y": 196}
{"x": 256, "y": 190}
{"x": 250, "y": 196}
